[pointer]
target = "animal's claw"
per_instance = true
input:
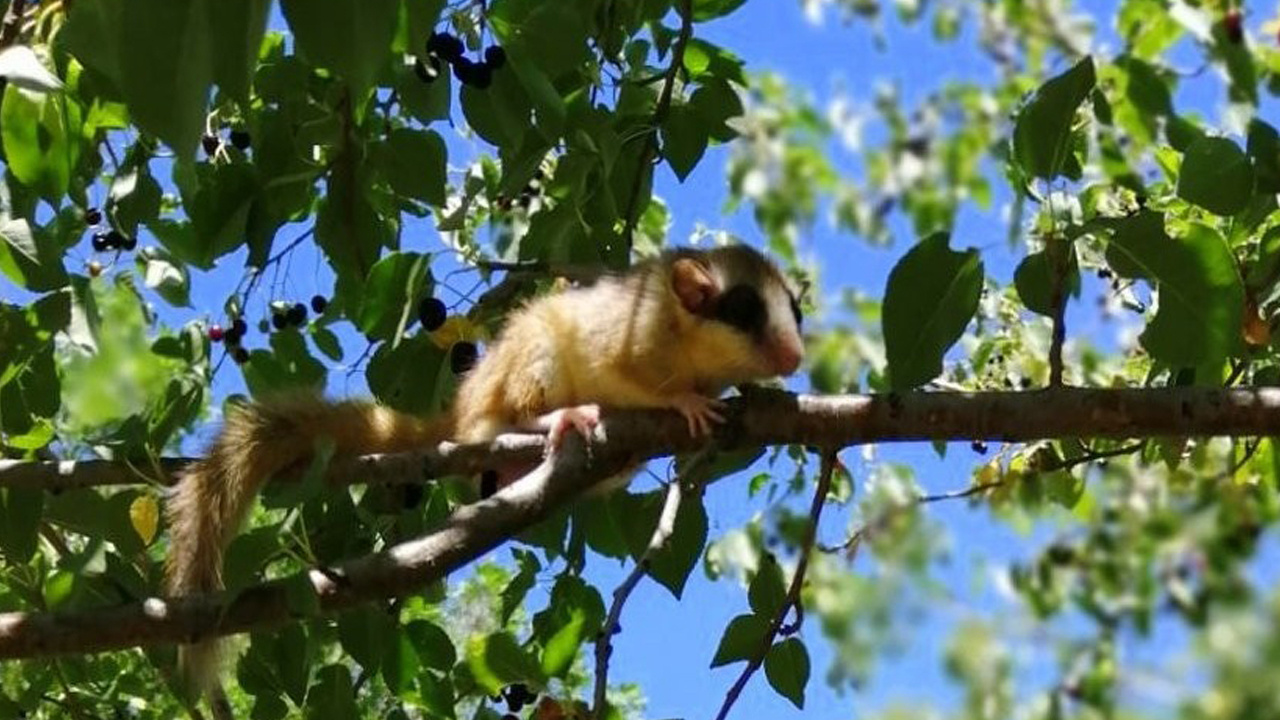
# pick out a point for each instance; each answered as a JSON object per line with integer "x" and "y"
{"x": 582, "y": 418}
{"x": 699, "y": 411}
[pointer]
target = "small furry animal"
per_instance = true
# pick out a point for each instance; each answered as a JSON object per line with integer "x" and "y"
{"x": 672, "y": 332}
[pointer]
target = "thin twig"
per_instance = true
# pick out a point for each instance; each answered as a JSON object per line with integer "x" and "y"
{"x": 659, "y": 114}
{"x": 604, "y": 643}
{"x": 1057, "y": 249}
{"x": 792, "y": 599}
{"x": 854, "y": 541}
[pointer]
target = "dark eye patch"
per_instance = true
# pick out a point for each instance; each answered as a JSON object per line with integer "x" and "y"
{"x": 741, "y": 307}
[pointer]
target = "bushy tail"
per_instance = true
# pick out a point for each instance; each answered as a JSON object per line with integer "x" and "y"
{"x": 257, "y": 441}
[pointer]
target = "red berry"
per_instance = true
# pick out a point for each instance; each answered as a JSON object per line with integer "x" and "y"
{"x": 1233, "y": 24}
{"x": 216, "y": 333}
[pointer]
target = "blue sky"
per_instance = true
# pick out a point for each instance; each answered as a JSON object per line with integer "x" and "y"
{"x": 666, "y": 646}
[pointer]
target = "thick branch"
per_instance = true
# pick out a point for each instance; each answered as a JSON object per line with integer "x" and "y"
{"x": 469, "y": 532}
{"x": 765, "y": 417}
{"x": 769, "y": 417}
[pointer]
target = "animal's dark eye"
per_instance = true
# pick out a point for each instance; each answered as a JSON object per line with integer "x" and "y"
{"x": 795, "y": 310}
{"x": 741, "y": 307}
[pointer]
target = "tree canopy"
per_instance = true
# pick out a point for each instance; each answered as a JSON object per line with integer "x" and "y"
{"x": 1098, "y": 361}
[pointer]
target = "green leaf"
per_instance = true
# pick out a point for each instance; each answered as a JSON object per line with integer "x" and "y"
{"x": 1201, "y": 295}
{"x": 350, "y": 37}
{"x": 514, "y": 593}
{"x": 166, "y": 67}
{"x": 40, "y": 138}
{"x": 413, "y": 377}
{"x": 134, "y": 199}
{"x": 33, "y": 261}
{"x": 394, "y": 286}
{"x": 704, "y": 10}
{"x": 500, "y": 113}
{"x": 671, "y": 564}
{"x": 559, "y": 651}
{"x": 165, "y": 275}
{"x": 552, "y": 35}
{"x": 705, "y": 61}
{"x": 332, "y": 697}
{"x": 715, "y": 102}
{"x": 768, "y": 590}
{"x": 1263, "y": 146}
{"x": 684, "y": 139}
{"x": 1042, "y": 132}
{"x": 741, "y": 640}
{"x": 432, "y": 644}
{"x": 497, "y": 661}
{"x": 416, "y": 165}
{"x": 426, "y": 102}
{"x": 364, "y": 632}
{"x": 1034, "y": 280}
{"x": 93, "y": 34}
{"x": 220, "y": 208}
{"x": 237, "y": 29}
{"x": 787, "y": 668}
{"x": 21, "y": 511}
{"x": 1216, "y": 175}
{"x": 400, "y": 665}
{"x": 931, "y": 295}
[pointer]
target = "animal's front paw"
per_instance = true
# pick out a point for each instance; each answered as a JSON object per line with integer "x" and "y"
{"x": 582, "y": 418}
{"x": 699, "y": 411}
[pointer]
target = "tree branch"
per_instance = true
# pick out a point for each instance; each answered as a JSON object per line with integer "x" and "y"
{"x": 765, "y": 417}
{"x": 769, "y": 417}
{"x": 632, "y": 215}
{"x": 12, "y": 23}
{"x": 792, "y": 600}
{"x": 604, "y": 643}
{"x": 468, "y": 533}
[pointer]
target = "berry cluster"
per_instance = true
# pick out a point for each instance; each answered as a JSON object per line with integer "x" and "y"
{"x": 289, "y": 316}
{"x": 232, "y": 338}
{"x": 240, "y": 140}
{"x": 113, "y": 240}
{"x": 531, "y": 190}
{"x": 443, "y": 46}
{"x": 516, "y": 695}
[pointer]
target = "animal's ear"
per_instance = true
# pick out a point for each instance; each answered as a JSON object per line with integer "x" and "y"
{"x": 693, "y": 284}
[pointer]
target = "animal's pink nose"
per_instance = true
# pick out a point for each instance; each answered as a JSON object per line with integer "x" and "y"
{"x": 787, "y": 355}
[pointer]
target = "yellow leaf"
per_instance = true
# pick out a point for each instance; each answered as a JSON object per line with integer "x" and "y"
{"x": 455, "y": 329}
{"x": 144, "y": 513}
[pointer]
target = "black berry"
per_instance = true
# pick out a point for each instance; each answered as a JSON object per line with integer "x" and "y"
{"x": 92, "y": 216}
{"x": 495, "y": 56}
{"x": 280, "y": 320}
{"x": 463, "y": 69}
{"x": 240, "y": 355}
{"x": 462, "y": 357}
{"x": 241, "y": 139}
{"x": 216, "y": 333}
{"x": 432, "y": 313}
{"x": 318, "y": 304}
{"x": 233, "y": 336}
{"x": 126, "y": 242}
{"x": 240, "y": 326}
{"x": 297, "y": 314}
{"x": 979, "y": 447}
{"x": 413, "y": 494}
{"x": 481, "y": 75}
{"x": 210, "y": 143}
{"x": 489, "y": 486}
{"x": 1233, "y": 24}
{"x": 427, "y": 71}
{"x": 447, "y": 46}
{"x": 100, "y": 243}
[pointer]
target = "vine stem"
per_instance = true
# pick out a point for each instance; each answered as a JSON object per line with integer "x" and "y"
{"x": 792, "y": 599}
{"x": 660, "y": 111}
